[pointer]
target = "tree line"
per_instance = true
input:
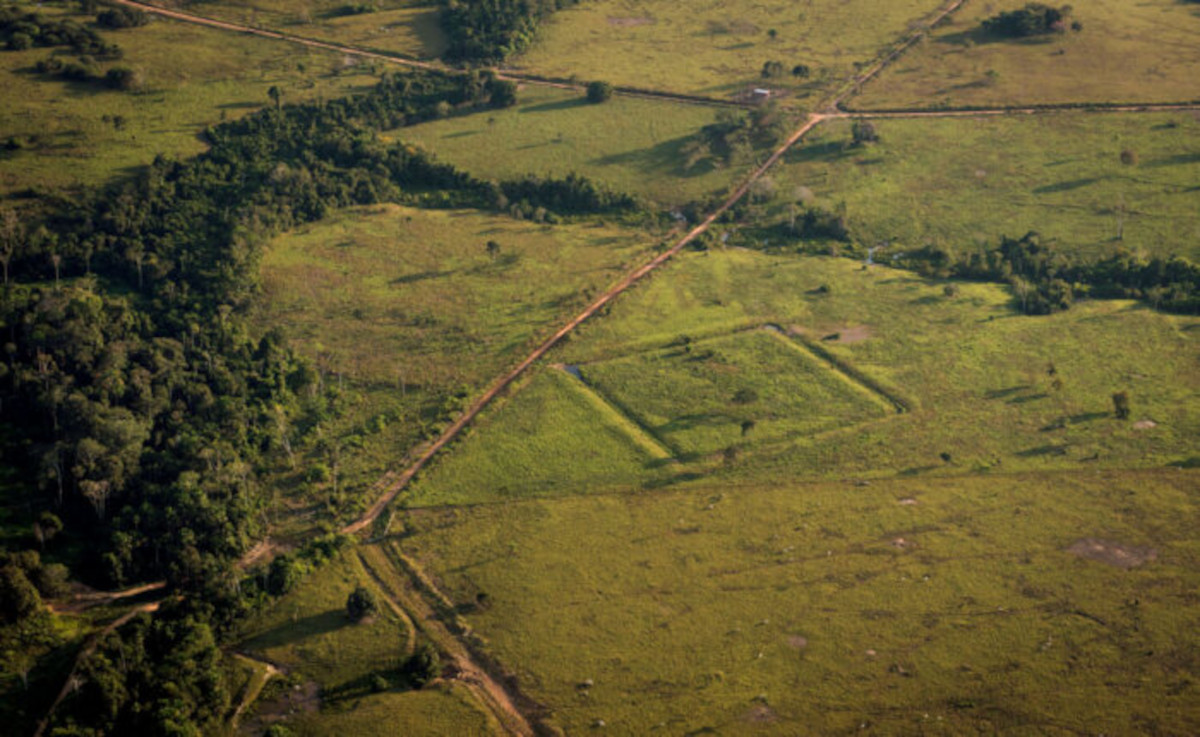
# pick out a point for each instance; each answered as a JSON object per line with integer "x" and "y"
{"x": 136, "y": 401}
{"x": 489, "y": 31}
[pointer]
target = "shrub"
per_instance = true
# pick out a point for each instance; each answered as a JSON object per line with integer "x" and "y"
{"x": 1034, "y": 19}
{"x": 598, "y": 92}
{"x": 360, "y": 603}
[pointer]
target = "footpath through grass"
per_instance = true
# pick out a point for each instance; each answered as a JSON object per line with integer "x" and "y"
{"x": 1126, "y": 52}
{"x": 629, "y": 144}
{"x": 1077, "y": 178}
{"x": 71, "y": 134}
{"x": 939, "y": 606}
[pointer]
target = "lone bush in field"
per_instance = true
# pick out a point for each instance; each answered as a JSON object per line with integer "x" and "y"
{"x": 360, "y": 604}
{"x": 1034, "y": 19}
{"x": 1120, "y": 402}
{"x": 598, "y": 92}
{"x": 864, "y": 132}
{"x": 422, "y": 666}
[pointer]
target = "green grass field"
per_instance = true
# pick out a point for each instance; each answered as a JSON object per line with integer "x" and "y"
{"x": 407, "y": 27}
{"x": 939, "y": 606}
{"x": 550, "y": 440}
{"x": 431, "y": 712}
{"x": 1127, "y": 52}
{"x": 718, "y": 48}
{"x": 697, "y": 397}
{"x": 308, "y": 633}
{"x": 405, "y": 309}
{"x": 972, "y": 371}
{"x": 194, "y": 77}
{"x": 964, "y": 183}
{"x": 631, "y": 145}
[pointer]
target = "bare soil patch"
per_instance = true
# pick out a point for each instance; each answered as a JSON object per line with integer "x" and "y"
{"x": 1145, "y": 425}
{"x": 1112, "y": 553}
{"x": 761, "y": 714}
{"x": 799, "y": 642}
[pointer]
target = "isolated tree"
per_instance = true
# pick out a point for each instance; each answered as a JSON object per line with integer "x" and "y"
{"x": 12, "y": 236}
{"x": 598, "y": 92}
{"x": 1120, "y": 402}
{"x": 747, "y": 426}
{"x": 745, "y": 395}
{"x": 493, "y": 249}
{"x": 1129, "y": 157}
{"x": 283, "y": 575}
{"x": 360, "y": 603}
{"x": 276, "y": 96}
{"x": 801, "y": 71}
{"x": 863, "y": 132}
{"x": 772, "y": 33}
{"x": 422, "y": 666}
{"x": 772, "y": 69}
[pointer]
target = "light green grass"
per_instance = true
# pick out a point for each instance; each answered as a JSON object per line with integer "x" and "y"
{"x": 1127, "y": 52}
{"x": 404, "y": 309}
{"x": 717, "y": 48}
{"x": 629, "y": 144}
{"x": 446, "y": 709}
{"x": 406, "y": 27}
{"x": 963, "y": 183}
{"x": 194, "y": 77}
{"x": 955, "y": 611}
{"x": 389, "y": 294}
{"x": 550, "y": 440}
{"x": 689, "y": 395}
{"x": 973, "y": 372}
{"x": 307, "y": 631}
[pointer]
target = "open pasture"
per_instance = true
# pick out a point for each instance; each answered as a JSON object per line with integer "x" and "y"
{"x": 1126, "y": 52}
{"x": 406, "y": 27}
{"x": 986, "y": 389}
{"x": 1080, "y": 179}
{"x": 718, "y": 48}
{"x": 932, "y": 606}
{"x": 750, "y": 387}
{"x": 629, "y": 144}
{"x": 445, "y": 709}
{"x": 307, "y": 631}
{"x": 69, "y": 134}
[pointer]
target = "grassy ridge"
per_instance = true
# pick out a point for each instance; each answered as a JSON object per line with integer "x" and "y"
{"x": 632, "y": 145}
{"x": 193, "y": 77}
{"x": 964, "y": 183}
{"x": 941, "y": 606}
{"x": 1126, "y": 52}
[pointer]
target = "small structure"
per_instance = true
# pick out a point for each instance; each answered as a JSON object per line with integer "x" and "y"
{"x": 759, "y": 94}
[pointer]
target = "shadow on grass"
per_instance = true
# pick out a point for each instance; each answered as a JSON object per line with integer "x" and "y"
{"x": 1067, "y": 186}
{"x": 662, "y": 157}
{"x": 979, "y": 37}
{"x": 1176, "y": 160}
{"x": 558, "y": 105}
{"x": 288, "y": 633}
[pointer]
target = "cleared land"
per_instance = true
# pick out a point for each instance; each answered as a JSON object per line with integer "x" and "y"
{"x": 629, "y": 144}
{"x": 308, "y": 633}
{"x": 753, "y": 386}
{"x": 439, "y": 710}
{"x": 72, "y": 133}
{"x": 718, "y": 48}
{"x": 551, "y": 439}
{"x": 409, "y": 312}
{"x": 937, "y": 606}
{"x": 1127, "y": 52}
{"x": 964, "y": 183}
{"x": 407, "y": 27}
{"x": 975, "y": 375}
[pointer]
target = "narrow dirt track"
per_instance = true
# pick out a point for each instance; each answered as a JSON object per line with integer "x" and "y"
{"x": 87, "y": 650}
{"x": 630, "y": 279}
{"x": 511, "y": 75}
{"x": 79, "y": 602}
